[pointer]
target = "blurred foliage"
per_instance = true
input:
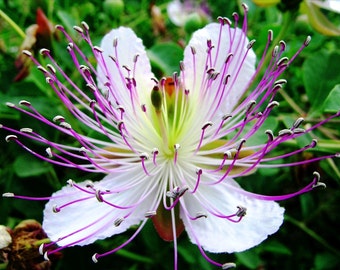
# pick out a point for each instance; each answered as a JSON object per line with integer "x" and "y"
{"x": 309, "y": 237}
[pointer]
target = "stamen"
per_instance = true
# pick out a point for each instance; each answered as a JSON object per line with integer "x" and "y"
{"x": 206, "y": 125}
{"x": 144, "y": 156}
{"x": 99, "y": 196}
{"x": 155, "y": 152}
{"x": 199, "y": 172}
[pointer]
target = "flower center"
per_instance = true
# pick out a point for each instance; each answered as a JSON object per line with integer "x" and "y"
{"x": 168, "y": 117}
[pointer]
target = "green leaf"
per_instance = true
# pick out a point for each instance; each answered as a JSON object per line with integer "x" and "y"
{"x": 332, "y": 102}
{"x": 249, "y": 258}
{"x": 320, "y": 75}
{"x": 326, "y": 261}
{"x": 276, "y": 247}
{"x": 26, "y": 166}
{"x": 166, "y": 57}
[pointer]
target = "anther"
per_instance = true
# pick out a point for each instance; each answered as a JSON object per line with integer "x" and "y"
{"x": 27, "y": 52}
{"x": 94, "y": 258}
{"x": 8, "y": 195}
{"x": 78, "y": 29}
{"x": 226, "y": 79}
{"x": 177, "y": 147}
{"x": 59, "y": 27}
{"x": 313, "y": 143}
{"x": 85, "y": 26}
{"x": 200, "y": 215}
{"x": 270, "y": 134}
{"x": 55, "y": 209}
{"x": 241, "y": 212}
{"x": 282, "y": 61}
{"x": 236, "y": 16}
{"x": 193, "y": 50}
{"x": 46, "y": 256}
{"x": 118, "y": 221}
{"x": 44, "y": 51}
{"x": 70, "y": 47}
{"x": 49, "y": 80}
{"x": 280, "y": 81}
{"x": 307, "y": 40}
{"x": 51, "y": 68}
{"x": 299, "y": 130}
{"x": 98, "y": 49}
{"x": 70, "y": 182}
{"x": 207, "y": 124}
{"x": 135, "y": 58}
{"x": 285, "y": 131}
{"x": 229, "y": 56}
{"x": 26, "y": 130}
{"x": 270, "y": 35}
{"x": 93, "y": 103}
{"x": 115, "y": 42}
{"x": 49, "y": 152}
{"x": 144, "y": 155}
{"x": 317, "y": 181}
{"x": 250, "y": 105}
{"x": 283, "y": 45}
{"x": 65, "y": 125}
{"x": 245, "y": 7}
{"x": 42, "y": 69}
{"x": 228, "y": 265}
{"x": 150, "y": 214}
{"x": 251, "y": 44}
{"x": 181, "y": 66}
{"x": 41, "y": 249}
{"x": 10, "y": 104}
{"x": 227, "y": 154}
{"x": 58, "y": 118}
{"x": 240, "y": 144}
{"x": 11, "y": 138}
{"x": 25, "y": 103}
{"x": 272, "y": 104}
{"x": 275, "y": 51}
{"x": 298, "y": 122}
{"x": 226, "y": 116}
{"x": 99, "y": 196}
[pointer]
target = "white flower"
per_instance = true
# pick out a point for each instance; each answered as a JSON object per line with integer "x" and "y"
{"x": 173, "y": 147}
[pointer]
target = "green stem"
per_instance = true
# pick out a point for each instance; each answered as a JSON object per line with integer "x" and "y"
{"x": 312, "y": 234}
{"x": 134, "y": 256}
{"x": 12, "y": 24}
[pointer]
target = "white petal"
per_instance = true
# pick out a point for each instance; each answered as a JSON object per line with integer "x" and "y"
{"x": 90, "y": 220}
{"x": 328, "y": 4}
{"x": 234, "y": 42}
{"x": 220, "y": 235}
{"x": 128, "y": 46}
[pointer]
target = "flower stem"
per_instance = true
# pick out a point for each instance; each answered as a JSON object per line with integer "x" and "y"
{"x": 12, "y": 24}
{"x": 311, "y": 233}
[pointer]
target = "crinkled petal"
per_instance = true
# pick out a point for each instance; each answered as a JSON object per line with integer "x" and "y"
{"x": 88, "y": 220}
{"x": 124, "y": 70}
{"x": 217, "y": 234}
{"x": 228, "y": 41}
